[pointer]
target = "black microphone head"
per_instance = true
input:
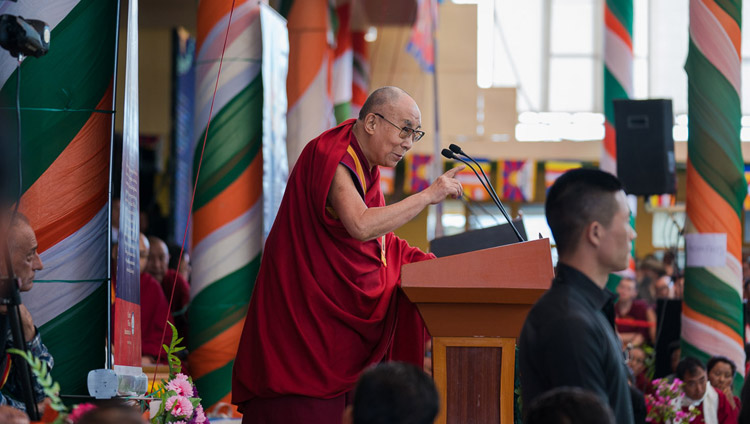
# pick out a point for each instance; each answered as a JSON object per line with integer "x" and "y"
{"x": 447, "y": 153}
{"x": 455, "y": 149}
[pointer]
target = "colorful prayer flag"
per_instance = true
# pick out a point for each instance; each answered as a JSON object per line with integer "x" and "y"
{"x": 422, "y": 43}
{"x": 516, "y": 180}
{"x": 417, "y": 169}
{"x": 473, "y": 188}
{"x": 387, "y": 180}
{"x": 554, "y": 169}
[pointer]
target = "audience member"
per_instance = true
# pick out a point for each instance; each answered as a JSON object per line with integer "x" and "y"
{"x": 636, "y": 321}
{"x": 699, "y": 393}
{"x": 25, "y": 261}
{"x": 112, "y": 413}
{"x": 154, "y": 311}
{"x": 568, "y": 405}
{"x": 637, "y": 364}
{"x": 568, "y": 338}
{"x": 721, "y": 371}
{"x": 662, "y": 288}
{"x": 185, "y": 267}
{"x": 393, "y": 393}
{"x": 651, "y": 269}
{"x": 158, "y": 261}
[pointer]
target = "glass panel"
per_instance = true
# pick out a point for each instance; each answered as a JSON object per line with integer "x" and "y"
{"x": 572, "y": 26}
{"x": 571, "y": 85}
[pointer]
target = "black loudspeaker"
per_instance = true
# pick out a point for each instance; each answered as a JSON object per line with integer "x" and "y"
{"x": 645, "y": 147}
{"x": 668, "y": 327}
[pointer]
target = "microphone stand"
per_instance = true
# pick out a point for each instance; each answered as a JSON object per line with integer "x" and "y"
{"x": 450, "y": 155}
{"x": 12, "y": 299}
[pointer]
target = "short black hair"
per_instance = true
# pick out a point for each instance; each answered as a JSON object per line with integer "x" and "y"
{"x": 569, "y": 405}
{"x": 718, "y": 358}
{"x": 577, "y": 198}
{"x": 395, "y": 393}
{"x": 378, "y": 98}
{"x": 688, "y": 365}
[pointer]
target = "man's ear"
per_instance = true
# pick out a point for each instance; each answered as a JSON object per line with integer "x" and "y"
{"x": 370, "y": 123}
{"x": 348, "y": 416}
{"x": 594, "y": 233}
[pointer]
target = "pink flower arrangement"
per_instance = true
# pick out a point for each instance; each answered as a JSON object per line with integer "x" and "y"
{"x": 665, "y": 404}
{"x": 78, "y": 411}
{"x": 181, "y": 385}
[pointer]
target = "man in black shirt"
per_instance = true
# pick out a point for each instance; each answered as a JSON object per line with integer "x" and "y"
{"x": 569, "y": 337}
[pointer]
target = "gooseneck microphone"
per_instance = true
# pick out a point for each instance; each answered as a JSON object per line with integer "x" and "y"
{"x": 451, "y": 154}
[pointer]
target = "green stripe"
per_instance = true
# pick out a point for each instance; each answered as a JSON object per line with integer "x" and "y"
{"x": 213, "y": 386}
{"x": 221, "y": 304}
{"x": 623, "y": 11}
{"x": 612, "y": 282}
{"x": 75, "y": 339}
{"x": 234, "y": 139}
{"x": 708, "y": 295}
{"x": 342, "y": 111}
{"x": 733, "y": 9}
{"x": 612, "y": 90}
{"x": 714, "y": 129}
{"x": 75, "y": 74}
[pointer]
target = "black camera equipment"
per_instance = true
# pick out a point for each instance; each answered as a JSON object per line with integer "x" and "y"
{"x": 27, "y": 37}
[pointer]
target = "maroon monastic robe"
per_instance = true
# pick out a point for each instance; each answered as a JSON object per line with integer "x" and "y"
{"x": 325, "y": 305}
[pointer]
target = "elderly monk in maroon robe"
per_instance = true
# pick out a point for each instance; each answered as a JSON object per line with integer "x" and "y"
{"x": 327, "y": 303}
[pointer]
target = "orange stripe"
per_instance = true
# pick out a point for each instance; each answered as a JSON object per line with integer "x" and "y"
{"x": 216, "y": 352}
{"x": 710, "y": 213}
{"x": 730, "y": 25}
{"x": 716, "y": 325}
{"x": 358, "y": 165}
{"x": 610, "y": 145}
{"x": 223, "y": 406}
{"x": 308, "y": 46}
{"x": 611, "y": 22}
{"x": 210, "y": 12}
{"x": 235, "y": 200}
{"x": 74, "y": 188}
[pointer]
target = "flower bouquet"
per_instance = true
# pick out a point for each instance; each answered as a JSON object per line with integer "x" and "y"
{"x": 176, "y": 401}
{"x": 665, "y": 404}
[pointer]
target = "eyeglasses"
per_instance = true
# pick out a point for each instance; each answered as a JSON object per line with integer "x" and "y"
{"x": 415, "y": 135}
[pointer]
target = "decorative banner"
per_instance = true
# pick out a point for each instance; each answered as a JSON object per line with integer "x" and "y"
{"x": 516, "y": 180}
{"x": 417, "y": 170}
{"x": 308, "y": 83}
{"x": 341, "y": 74}
{"x": 360, "y": 72}
{"x": 712, "y": 311}
{"x": 228, "y": 213}
{"x": 127, "y": 319}
{"x": 387, "y": 180}
{"x": 473, "y": 188}
{"x": 421, "y": 41}
{"x": 66, "y": 101}
{"x": 553, "y": 170}
{"x": 183, "y": 139}
{"x": 275, "y": 65}
{"x": 618, "y": 71}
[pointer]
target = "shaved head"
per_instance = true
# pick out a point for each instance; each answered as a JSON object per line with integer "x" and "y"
{"x": 387, "y": 95}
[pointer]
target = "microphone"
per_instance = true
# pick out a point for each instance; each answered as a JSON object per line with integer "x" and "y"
{"x": 450, "y": 155}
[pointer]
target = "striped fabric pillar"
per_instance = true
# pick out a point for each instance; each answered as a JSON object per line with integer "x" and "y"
{"x": 360, "y": 72}
{"x": 618, "y": 84}
{"x": 341, "y": 74}
{"x": 618, "y": 71}
{"x": 227, "y": 211}
{"x": 308, "y": 91}
{"x": 66, "y": 101}
{"x": 712, "y": 309}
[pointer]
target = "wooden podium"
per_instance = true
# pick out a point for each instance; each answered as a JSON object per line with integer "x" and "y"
{"x": 474, "y": 305}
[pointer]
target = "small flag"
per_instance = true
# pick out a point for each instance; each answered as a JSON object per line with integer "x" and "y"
{"x": 421, "y": 43}
{"x": 516, "y": 180}
{"x": 473, "y": 188}
{"x": 554, "y": 169}
{"x": 666, "y": 200}
{"x": 417, "y": 170}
